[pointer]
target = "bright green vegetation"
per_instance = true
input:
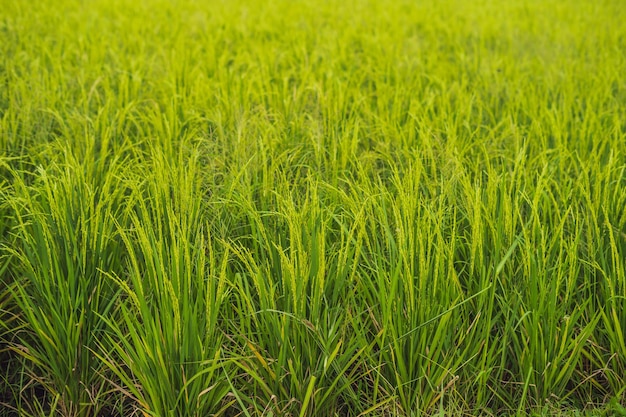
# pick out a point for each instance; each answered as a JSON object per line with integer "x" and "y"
{"x": 312, "y": 208}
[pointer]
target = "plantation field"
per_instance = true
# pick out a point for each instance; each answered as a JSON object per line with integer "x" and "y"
{"x": 312, "y": 208}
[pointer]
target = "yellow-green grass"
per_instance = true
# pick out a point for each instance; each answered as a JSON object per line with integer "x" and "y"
{"x": 312, "y": 208}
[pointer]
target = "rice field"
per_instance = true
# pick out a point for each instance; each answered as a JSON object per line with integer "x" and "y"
{"x": 312, "y": 208}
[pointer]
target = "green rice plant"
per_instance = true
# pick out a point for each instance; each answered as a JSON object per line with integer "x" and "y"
{"x": 300, "y": 347}
{"x": 485, "y": 251}
{"x": 11, "y": 366}
{"x": 8, "y": 376}
{"x": 550, "y": 309}
{"x": 408, "y": 282}
{"x": 64, "y": 223}
{"x": 605, "y": 223}
{"x": 165, "y": 347}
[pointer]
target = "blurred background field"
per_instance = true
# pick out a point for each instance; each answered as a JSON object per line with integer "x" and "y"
{"x": 312, "y": 208}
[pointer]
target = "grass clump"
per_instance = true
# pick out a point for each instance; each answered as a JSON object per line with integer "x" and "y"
{"x": 312, "y": 208}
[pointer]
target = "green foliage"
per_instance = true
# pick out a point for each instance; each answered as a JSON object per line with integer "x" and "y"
{"x": 312, "y": 208}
